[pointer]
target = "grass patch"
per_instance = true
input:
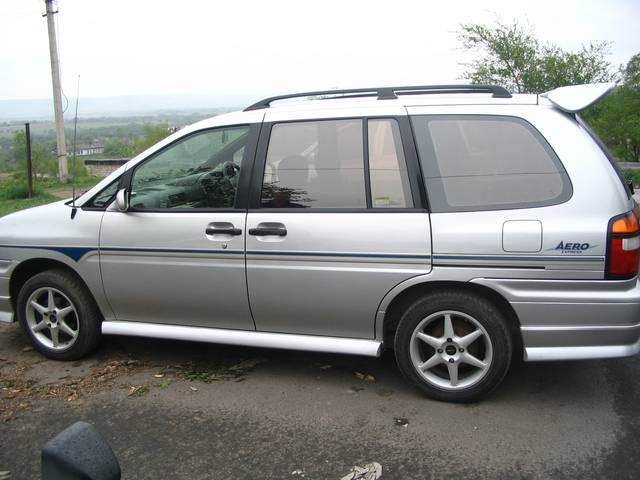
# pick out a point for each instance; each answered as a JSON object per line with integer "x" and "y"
{"x": 85, "y": 181}
{"x": 13, "y": 193}
{"x": 13, "y": 196}
{"x": 16, "y": 190}
{"x": 216, "y": 372}
{"x": 10, "y": 206}
{"x": 210, "y": 374}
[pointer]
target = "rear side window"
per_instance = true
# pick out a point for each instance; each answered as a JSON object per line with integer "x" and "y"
{"x": 481, "y": 162}
{"x": 387, "y": 167}
{"x": 315, "y": 164}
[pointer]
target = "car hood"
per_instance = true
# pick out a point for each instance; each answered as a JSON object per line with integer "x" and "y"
{"x": 50, "y": 224}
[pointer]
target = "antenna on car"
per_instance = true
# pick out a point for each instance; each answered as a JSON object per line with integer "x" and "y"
{"x": 73, "y": 159}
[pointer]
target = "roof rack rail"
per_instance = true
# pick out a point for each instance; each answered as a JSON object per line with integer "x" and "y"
{"x": 387, "y": 93}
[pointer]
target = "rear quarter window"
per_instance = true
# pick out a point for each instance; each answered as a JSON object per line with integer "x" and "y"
{"x": 607, "y": 154}
{"x": 481, "y": 162}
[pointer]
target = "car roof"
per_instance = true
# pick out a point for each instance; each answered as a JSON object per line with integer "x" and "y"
{"x": 570, "y": 99}
{"x": 407, "y": 101}
{"x": 298, "y": 107}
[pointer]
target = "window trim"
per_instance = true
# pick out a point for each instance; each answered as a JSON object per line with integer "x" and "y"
{"x": 365, "y": 162}
{"x": 567, "y": 185}
{"x": 243, "y": 182}
{"x": 414, "y": 172}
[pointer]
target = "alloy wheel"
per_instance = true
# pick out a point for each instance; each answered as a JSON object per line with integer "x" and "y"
{"x": 451, "y": 350}
{"x": 52, "y": 318}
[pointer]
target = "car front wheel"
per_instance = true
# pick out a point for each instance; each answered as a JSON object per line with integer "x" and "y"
{"x": 59, "y": 315}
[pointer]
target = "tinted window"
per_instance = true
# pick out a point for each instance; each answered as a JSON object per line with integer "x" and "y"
{"x": 105, "y": 197}
{"x": 607, "y": 153}
{"x": 200, "y": 171}
{"x": 315, "y": 164}
{"x": 487, "y": 162}
{"x": 387, "y": 168}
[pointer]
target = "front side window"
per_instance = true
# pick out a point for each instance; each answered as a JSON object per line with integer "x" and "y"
{"x": 315, "y": 164}
{"x": 474, "y": 162}
{"x": 199, "y": 171}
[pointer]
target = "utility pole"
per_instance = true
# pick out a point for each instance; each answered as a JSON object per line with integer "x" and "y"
{"x": 57, "y": 96}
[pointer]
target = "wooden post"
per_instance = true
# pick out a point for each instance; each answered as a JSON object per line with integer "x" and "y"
{"x": 57, "y": 95}
{"x": 27, "y": 131}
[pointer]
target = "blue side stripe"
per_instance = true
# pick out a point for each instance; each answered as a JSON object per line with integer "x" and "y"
{"x": 76, "y": 253}
{"x": 549, "y": 258}
{"x": 169, "y": 250}
{"x": 331, "y": 254}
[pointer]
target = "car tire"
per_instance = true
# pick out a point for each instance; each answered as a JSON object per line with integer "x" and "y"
{"x": 59, "y": 315}
{"x": 455, "y": 346}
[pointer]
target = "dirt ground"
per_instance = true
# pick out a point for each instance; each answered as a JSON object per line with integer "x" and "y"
{"x": 199, "y": 411}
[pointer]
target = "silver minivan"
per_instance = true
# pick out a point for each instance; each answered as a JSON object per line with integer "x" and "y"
{"x": 458, "y": 225}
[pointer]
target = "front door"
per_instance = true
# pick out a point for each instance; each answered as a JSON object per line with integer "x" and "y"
{"x": 178, "y": 255}
{"x": 335, "y": 223}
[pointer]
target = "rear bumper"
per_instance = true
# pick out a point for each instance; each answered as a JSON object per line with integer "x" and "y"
{"x": 561, "y": 343}
{"x": 574, "y": 320}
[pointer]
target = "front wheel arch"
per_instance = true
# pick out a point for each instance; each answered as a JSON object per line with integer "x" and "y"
{"x": 28, "y": 268}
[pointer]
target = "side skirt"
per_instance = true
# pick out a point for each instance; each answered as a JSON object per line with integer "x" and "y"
{"x": 311, "y": 343}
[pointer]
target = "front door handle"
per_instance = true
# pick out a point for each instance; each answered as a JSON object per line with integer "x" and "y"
{"x": 267, "y": 228}
{"x": 222, "y": 228}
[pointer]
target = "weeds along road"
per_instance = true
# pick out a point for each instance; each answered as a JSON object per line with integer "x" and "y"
{"x": 198, "y": 411}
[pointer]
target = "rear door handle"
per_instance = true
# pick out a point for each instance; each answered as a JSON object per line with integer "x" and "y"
{"x": 264, "y": 229}
{"x": 222, "y": 228}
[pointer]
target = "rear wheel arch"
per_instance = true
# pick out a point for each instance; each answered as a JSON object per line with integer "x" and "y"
{"x": 408, "y": 296}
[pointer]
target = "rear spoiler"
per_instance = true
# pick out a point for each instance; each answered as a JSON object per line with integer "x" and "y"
{"x": 574, "y": 98}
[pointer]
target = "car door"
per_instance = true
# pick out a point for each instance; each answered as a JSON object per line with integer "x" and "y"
{"x": 336, "y": 220}
{"x": 177, "y": 256}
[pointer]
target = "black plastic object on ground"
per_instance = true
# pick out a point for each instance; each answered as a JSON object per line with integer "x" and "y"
{"x": 79, "y": 453}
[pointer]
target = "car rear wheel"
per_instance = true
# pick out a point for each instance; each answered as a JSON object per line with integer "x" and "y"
{"x": 59, "y": 315}
{"x": 455, "y": 346}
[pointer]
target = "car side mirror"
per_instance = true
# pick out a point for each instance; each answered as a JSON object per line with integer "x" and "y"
{"x": 633, "y": 190}
{"x": 79, "y": 453}
{"x": 122, "y": 200}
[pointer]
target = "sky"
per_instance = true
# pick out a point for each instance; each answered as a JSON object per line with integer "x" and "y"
{"x": 133, "y": 47}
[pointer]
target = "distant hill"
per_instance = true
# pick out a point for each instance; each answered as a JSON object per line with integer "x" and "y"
{"x": 130, "y": 105}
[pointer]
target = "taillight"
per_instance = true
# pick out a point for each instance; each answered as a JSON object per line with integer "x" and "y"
{"x": 623, "y": 250}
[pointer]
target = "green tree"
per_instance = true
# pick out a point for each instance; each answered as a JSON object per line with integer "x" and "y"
{"x": 43, "y": 161}
{"x": 631, "y": 73}
{"x": 152, "y": 134}
{"x": 118, "y": 148}
{"x": 616, "y": 118}
{"x": 511, "y": 56}
{"x": 76, "y": 168}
